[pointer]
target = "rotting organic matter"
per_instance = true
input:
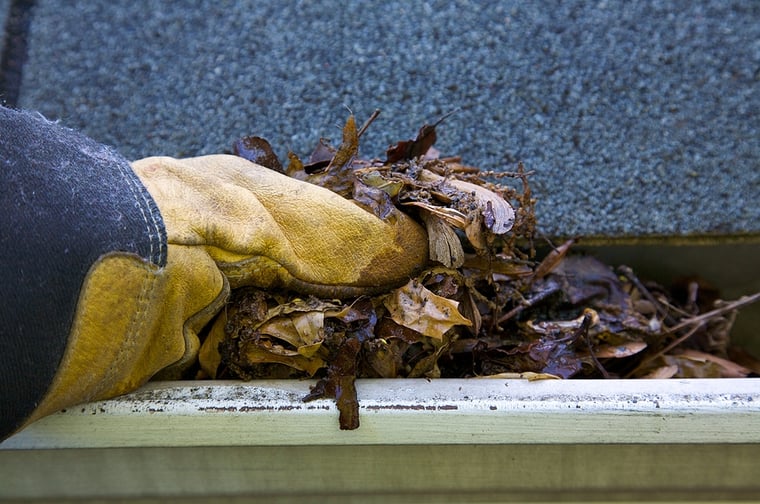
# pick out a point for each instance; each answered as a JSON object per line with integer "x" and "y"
{"x": 483, "y": 305}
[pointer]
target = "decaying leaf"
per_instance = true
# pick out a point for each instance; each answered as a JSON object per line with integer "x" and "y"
{"x": 443, "y": 242}
{"x": 349, "y": 147}
{"x": 329, "y": 167}
{"x": 340, "y": 384}
{"x": 728, "y": 369}
{"x": 258, "y": 150}
{"x": 266, "y": 352}
{"x": 411, "y": 149}
{"x": 620, "y": 351}
{"x": 484, "y": 306}
{"x": 415, "y": 307}
{"x": 528, "y": 375}
{"x": 498, "y": 215}
{"x": 552, "y": 260}
{"x": 320, "y": 158}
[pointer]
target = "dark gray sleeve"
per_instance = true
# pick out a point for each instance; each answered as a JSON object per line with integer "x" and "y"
{"x": 65, "y": 201}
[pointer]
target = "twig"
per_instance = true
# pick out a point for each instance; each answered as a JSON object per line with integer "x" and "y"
{"x": 446, "y": 116}
{"x": 729, "y": 306}
{"x": 529, "y": 302}
{"x": 583, "y": 331}
{"x": 631, "y": 276}
{"x": 369, "y": 121}
{"x": 666, "y": 349}
{"x": 697, "y": 321}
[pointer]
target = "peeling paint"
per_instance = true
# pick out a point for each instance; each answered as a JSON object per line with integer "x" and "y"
{"x": 218, "y": 409}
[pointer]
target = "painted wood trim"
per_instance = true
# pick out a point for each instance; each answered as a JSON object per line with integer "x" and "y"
{"x": 479, "y": 411}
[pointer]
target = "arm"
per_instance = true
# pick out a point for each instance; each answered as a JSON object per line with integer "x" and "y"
{"x": 112, "y": 268}
{"x": 65, "y": 202}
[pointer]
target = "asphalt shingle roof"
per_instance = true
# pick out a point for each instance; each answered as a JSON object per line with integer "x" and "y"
{"x": 639, "y": 118}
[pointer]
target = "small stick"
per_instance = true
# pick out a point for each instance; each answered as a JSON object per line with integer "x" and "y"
{"x": 697, "y": 322}
{"x": 678, "y": 340}
{"x": 528, "y": 303}
{"x": 666, "y": 349}
{"x": 704, "y": 317}
{"x": 369, "y": 121}
{"x": 583, "y": 330}
{"x": 631, "y": 276}
{"x": 446, "y": 116}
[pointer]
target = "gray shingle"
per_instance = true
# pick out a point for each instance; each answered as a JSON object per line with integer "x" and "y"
{"x": 639, "y": 118}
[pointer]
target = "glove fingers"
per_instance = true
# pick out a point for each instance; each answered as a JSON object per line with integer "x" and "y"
{"x": 267, "y": 229}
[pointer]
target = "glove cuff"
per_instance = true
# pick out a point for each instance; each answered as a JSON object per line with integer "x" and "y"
{"x": 134, "y": 320}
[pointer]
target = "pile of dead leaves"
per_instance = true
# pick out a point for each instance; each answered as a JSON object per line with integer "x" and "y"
{"x": 483, "y": 307}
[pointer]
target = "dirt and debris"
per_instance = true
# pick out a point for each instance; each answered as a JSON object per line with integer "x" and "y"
{"x": 486, "y": 305}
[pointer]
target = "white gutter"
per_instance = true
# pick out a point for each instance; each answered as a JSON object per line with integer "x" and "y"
{"x": 402, "y": 412}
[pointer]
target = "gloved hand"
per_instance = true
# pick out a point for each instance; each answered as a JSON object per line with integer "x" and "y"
{"x": 229, "y": 222}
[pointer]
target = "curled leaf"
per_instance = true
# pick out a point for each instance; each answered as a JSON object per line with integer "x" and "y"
{"x": 320, "y": 157}
{"x": 259, "y": 151}
{"x": 619, "y": 351}
{"x": 450, "y": 215}
{"x": 258, "y": 352}
{"x": 418, "y": 308}
{"x": 340, "y": 384}
{"x": 410, "y": 149}
{"x": 349, "y": 147}
{"x": 328, "y": 167}
{"x": 498, "y": 215}
{"x": 443, "y": 243}
{"x": 527, "y": 375}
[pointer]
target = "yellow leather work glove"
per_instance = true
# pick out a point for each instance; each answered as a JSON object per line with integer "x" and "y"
{"x": 229, "y": 223}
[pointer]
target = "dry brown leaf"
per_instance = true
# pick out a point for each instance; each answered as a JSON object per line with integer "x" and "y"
{"x": 552, "y": 260}
{"x": 498, "y": 215}
{"x": 528, "y": 375}
{"x": 310, "y": 327}
{"x": 349, "y": 147}
{"x": 619, "y": 351}
{"x": 257, "y": 150}
{"x": 662, "y": 372}
{"x": 449, "y": 215}
{"x": 286, "y": 329}
{"x": 443, "y": 243}
{"x": 729, "y": 369}
{"x": 423, "y": 142}
{"x": 418, "y": 308}
{"x": 258, "y": 353}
